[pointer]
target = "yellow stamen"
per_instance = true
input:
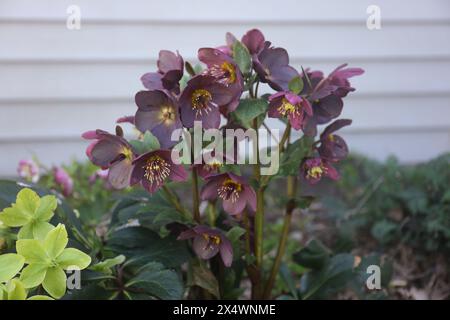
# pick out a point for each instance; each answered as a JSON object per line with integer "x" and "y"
{"x": 167, "y": 114}
{"x": 230, "y": 189}
{"x": 156, "y": 169}
{"x": 287, "y": 108}
{"x": 200, "y": 100}
{"x": 230, "y": 71}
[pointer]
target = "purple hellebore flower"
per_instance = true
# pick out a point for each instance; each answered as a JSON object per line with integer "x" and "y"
{"x": 28, "y": 170}
{"x": 254, "y": 41}
{"x": 208, "y": 242}
{"x": 158, "y": 113}
{"x": 223, "y": 68}
{"x": 111, "y": 152}
{"x": 201, "y": 99}
{"x": 332, "y": 147}
{"x": 211, "y": 163}
{"x": 272, "y": 66}
{"x": 313, "y": 169}
{"x": 235, "y": 192}
{"x": 63, "y": 179}
{"x": 290, "y": 105}
{"x": 126, "y": 119}
{"x": 324, "y": 110}
{"x": 338, "y": 79}
{"x": 170, "y": 71}
{"x": 153, "y": 168}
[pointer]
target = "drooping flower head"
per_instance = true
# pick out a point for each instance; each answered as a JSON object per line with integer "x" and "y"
{"x": 338, "y": 78}
{"x": 208, "y": 242}
{"x": 158, "y": 113}
{"x": 223, "y": 68}
{"x": 28, "y": 170}
{"x": 210, "y": 162}
{"x": 324, "y": 110}
{"x": 272, "y": 66}
{"x": 313, "y": 169}
{"x": 291, "y": 106}
{"x": 170, "y": 71}
{"x": 201, "y": 99}
{"x": 63, "y": 180}
{"x": 254, "y": 41}
{"x": 154, "y": 168}
{"x": 333, "y": 147}
{"x": 111, "y": 152}
{"x": 235, "y": 192}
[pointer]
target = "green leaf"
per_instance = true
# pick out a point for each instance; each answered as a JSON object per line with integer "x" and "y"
{"x": 158, "y": 282}
{"x": 27, "y": 201}
{"x": 249, "y": 109}
{"x": 72, "y": 257}
{"x": 332, "y": 277}
{"x": 16, "y": 290}
{"x": 293, "y": 156}
{"x": 106, "y": 265}
{"x": 40, "y": 297}
{"x": 10, "y": 264}
{"x": 199, "y": 275}
{"x": 242, "y": 57}
{"x": 55, "y": 241}
{"x": 14, "y": 217}
{"x": 33, "y": 251}
{"x": 287, "y": 278}
{"x": 314, "y": 256}
{"x": 26, "y": 232}
{"x": 55, "y": 282}
{"x": 143, "y": 245}
{"x": 296, "y": 85}
{"x": 46, "y": 209}
{"x": 33, "y": 275}
{"x": 235, "y": 233}
{"x": 147, "y": 144}
{"x": 40, "y": 229}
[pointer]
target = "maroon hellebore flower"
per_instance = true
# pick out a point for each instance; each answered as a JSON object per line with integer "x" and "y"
{"x": 338, "y": 78}
{"x": 212, "y": 164}
{"x": 111, "y": 152}
{"x": 153, "y": 168}
{"x": 223, "y": 68}
{"x": 170, "y": 71}
{"x": 235, "y": 192}
{"x": 324, "y": 110}
{"x": 313, "y": 169}
{"x": 333, "y": 147}
{"x": 290, "y": 105}
{"x": 272, "y": 66}
{"x": 254, "y": 41}
{"x": 201, "y": 99}
{"x": 208, "y": 242}
{"x": 158, "y": 113}
{"x": 63, "y": 179}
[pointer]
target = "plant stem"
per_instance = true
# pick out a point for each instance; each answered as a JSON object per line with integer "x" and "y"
{"x": 290, "y": 206}
{"x": 195, "y": 195}
{"x": 172, "y": 197}
{"x": 291, "y": 191}
{"x": 212, "y": 213}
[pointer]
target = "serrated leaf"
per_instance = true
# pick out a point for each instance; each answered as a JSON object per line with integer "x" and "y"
{"x": 202, "y": 277}
{"x": 156, "y": 281}
{"x": 242, "y": 57}
{"x": 249, "y": 109}
{"x": 314, "y": 255}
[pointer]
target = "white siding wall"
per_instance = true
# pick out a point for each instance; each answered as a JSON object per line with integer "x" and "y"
{"x": 56, "y": 83}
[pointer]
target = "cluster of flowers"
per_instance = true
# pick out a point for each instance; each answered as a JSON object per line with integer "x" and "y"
{"x": 208, "y": 96}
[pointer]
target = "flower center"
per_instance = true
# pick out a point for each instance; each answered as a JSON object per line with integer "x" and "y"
{"x": 213, "y": 165}
{"x": 212, "y": 239}
{"x": 331, "y": 137}
{"x": 225, "y": 73}
{"x": 287, "y": 108}
{"x": 201, "y": 100}
{"x": 156, "y": 169}
{"x": 127, "y": 153}
{"x": 229, "y": 189}
{"x": 167, "y": 114}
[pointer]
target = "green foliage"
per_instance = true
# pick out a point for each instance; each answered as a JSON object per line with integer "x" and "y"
{"x": 242, "y": 57}
{"x": 148, "y": 143}
{"x": 249, "y": 109}
{"x": 296, "y": 85}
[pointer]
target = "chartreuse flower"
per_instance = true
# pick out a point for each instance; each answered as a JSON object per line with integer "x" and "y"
{"x": 47, "y": 259}
{"x": 31, "y": 213}
{"x": 15, "y": 290}
{"x": 10, "y": 264}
